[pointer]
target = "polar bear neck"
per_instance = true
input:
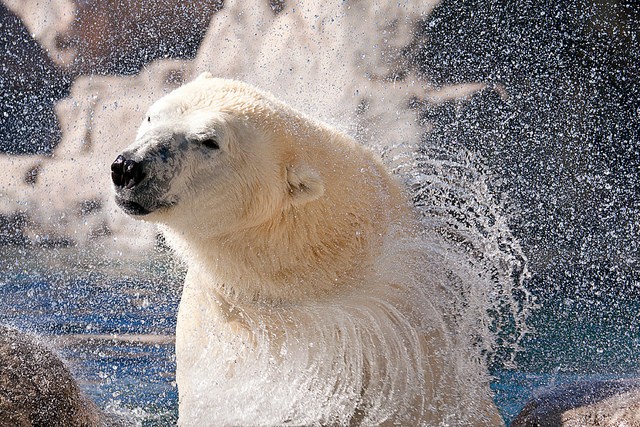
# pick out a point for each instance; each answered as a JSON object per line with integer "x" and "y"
{"x": 303, "y": 252}
{"x": 284, "y": 260}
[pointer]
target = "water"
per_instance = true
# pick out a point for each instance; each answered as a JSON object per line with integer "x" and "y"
{"x": 52, "y": 293}
{"x": 112, "y": 324}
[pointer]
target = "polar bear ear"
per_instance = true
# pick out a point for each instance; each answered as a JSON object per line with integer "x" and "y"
{"x": 304, "y": 183}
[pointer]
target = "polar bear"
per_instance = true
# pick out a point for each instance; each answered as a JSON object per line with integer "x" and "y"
{"x": 309, "y": 296}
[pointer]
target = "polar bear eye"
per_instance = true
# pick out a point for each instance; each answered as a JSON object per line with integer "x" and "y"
{"x": 210, "y": 143}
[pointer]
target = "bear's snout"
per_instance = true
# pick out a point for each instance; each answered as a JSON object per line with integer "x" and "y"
{"x": 126, "y": 173}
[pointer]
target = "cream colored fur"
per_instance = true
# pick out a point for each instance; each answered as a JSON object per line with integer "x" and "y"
{"x": 313, "y": 296}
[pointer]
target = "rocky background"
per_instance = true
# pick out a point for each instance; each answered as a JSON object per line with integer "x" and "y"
{"x": 77, "y": 77}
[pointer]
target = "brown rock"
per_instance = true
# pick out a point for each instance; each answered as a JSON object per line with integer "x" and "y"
{"x": 121, "y": 36}
{"x": 115, "y": 36}
{"x": 45, "y": 20}
{"x": 36, "y": 388}
{"x": 589, "y": 404}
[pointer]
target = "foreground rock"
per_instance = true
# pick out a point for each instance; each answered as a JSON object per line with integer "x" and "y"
{"x": 37, "y": 389}
{"x": 602, "y": 403}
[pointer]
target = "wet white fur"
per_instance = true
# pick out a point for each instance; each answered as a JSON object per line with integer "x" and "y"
{"x": 313, "y": 295}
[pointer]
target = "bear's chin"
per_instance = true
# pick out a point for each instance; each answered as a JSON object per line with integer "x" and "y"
{"x": 132, "y": 208}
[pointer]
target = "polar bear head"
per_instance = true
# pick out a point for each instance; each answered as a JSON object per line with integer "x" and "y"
{"x": 255, "y": 193}
{"x": 214, "y": 149}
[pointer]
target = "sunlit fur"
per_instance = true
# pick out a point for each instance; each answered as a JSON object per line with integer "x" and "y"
{"x": 313, "y": 295}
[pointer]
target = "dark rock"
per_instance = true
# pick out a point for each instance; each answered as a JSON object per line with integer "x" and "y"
{"x": 31, "y": 84}
{"x": 121, "y": 36}
{"x": 31, "y": 176}
{"x": 36, "y": 388}
{"x": 12, "y": 228}
{"x": 600, "y": 403}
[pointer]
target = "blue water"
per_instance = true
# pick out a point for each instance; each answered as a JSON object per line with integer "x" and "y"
{"x": 83, "y": 303}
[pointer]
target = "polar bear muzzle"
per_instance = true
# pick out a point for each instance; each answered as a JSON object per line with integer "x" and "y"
{"x": 127, "y": 174}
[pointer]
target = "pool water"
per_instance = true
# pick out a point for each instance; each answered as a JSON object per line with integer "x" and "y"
{"x": 113, "y": 321}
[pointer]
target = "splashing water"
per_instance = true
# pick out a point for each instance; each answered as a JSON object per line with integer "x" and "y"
{"x": 451, "y": 190}
{"x": 412, "y": 348}
{"x": 350, "y": 63}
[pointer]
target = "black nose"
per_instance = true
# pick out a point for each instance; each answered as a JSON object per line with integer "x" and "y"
{"x": 126, "y": 173}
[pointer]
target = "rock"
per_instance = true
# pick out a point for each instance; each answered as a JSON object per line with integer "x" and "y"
{"x": 45, "y": 20}
{"x": 31, "y": 84}
{"x": 36, "y": 388}
{"x": 116, "y": 37}
{"x": 601, "y": 403}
